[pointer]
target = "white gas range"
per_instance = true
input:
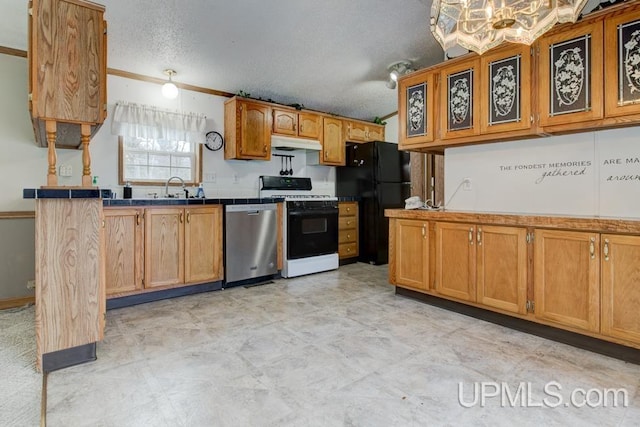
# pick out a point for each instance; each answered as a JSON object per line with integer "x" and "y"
{"x": 310, "y": 225}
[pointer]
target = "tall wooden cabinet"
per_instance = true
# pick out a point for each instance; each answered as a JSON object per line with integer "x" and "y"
{"x": 124, "y": 250}
{"x": 567, "y": 278}
{"x": 247, "y": 129}
{"x": 67, "y": 76}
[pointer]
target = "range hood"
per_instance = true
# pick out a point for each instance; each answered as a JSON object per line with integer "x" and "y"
{"x": 288, "y": 143}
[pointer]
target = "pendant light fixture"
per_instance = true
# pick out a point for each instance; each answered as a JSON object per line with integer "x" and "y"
{"x": 169, "y": 89}
{"x": 480, "y": 25}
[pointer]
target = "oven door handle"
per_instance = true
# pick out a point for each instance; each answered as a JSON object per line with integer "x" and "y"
{"x": 314, "y": 213}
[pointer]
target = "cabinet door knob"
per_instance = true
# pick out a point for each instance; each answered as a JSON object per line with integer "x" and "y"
{"x": 606, "y": 249}
{"x": 479, "y": 236}
{"x": 592, "y": 247}
{"x": 264, "y": 148}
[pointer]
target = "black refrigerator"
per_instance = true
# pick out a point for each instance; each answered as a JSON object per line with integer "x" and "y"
{"x": 379, "y": 175}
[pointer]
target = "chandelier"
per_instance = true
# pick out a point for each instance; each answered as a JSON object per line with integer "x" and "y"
{"x": 480, "y": 25}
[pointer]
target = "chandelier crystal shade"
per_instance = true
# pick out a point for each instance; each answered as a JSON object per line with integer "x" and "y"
{"x": 480, "y": 25}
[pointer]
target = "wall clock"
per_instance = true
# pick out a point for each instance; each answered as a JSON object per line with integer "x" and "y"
{"x": 214, "y": 141}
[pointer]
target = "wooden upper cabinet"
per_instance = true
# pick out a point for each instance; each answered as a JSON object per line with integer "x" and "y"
{"x": 375, "y": 132}
{"x": 502, "y": 267}
{"x": 309, "y": 125}
{"x": 293, "y": 123}
{"x": 567, "y": 278}
{"x": 622, "y": 63}
{"x": 355, "y": 131}
{"x": 459, "y": 99}
{"x": 621, "y": 287}
{"x": 570, "y": 72}
{"x": 505, "y": 89}
{"x": 247, "y": 130}
{"x": 203, "y": 244}
{"x": 67, "y": 61}
{"x": 333, "y": 149}
{"x": 124, "y": 250}
{"x": 285, "y": 122}
{"x": 416, "y": 97}
{"x": 455, "y": 260}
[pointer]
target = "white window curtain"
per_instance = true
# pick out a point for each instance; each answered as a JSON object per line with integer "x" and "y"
{"x": 143, "y": 121}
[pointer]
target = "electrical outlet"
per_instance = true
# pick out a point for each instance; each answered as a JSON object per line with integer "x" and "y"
{"x": 65, "y": 170}
{"x": 235, "y": 178}
{"x": 210, "y": 177}
{"x": 31, "y": 284}
{"x": 466, "y": 184}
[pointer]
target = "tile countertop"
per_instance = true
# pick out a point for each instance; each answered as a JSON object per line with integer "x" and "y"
{"x": 562, "y": 222}
{"x": 96, "y": 193}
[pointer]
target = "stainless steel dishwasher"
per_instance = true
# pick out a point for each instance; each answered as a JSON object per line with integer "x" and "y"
{"x": 250, "y": 242}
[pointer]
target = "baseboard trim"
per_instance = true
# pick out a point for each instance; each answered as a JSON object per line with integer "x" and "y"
{"x": 146, "y": 297}
{"x": 16, "y": 302}
{"x": 617, "y": 351}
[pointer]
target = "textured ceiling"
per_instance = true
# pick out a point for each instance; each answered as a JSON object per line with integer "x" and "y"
{"x": 329, "y": 55}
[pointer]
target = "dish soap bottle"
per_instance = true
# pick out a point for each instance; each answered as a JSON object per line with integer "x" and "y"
{"x": 200, "y": 192}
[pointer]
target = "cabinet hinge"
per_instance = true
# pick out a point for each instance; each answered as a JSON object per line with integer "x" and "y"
{"x": 530, "y": 306}
{"x": 30, "y": 97}
{"x": 530, "y": 237}
{"x": 30, "y": 10}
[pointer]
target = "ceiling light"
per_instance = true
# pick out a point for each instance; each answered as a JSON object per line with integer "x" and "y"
{"x": 396, "y": 70}
{"x": 480, "y": 25}
{"x": 169, "y": 89}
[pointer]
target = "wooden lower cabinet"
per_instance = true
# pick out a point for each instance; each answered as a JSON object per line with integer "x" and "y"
{"x": 566, "y": 278}
{"x": 621, "y": 287}
{"x": 161, "y": 247}
{"x": 183, "y": 245}
{"x": 501, "y": 277}
{"x": 483, "y": 264}
{"x": 124, "y": 255}
{"x": 455, "y": 255}
{"x": 347, "y": 229}
{"x": 164, "y": 247}
{"x": 410, "y": 253}
{"x": 203, "y": 244}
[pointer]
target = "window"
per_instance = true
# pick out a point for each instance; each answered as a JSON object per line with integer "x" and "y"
{"x": 153, "y": 161}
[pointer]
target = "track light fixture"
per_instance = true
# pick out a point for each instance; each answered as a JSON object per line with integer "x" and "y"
{"x": 396, "y": 70}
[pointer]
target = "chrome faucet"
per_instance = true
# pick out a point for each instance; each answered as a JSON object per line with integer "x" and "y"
{"x": 166, "y": 185}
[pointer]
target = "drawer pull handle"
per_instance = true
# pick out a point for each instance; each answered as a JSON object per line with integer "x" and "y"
{"x": 479, "y": 236}
{"x": 181, "y": 217}
{"x": 592, "y": 247}
{"x": 471, "y": 236}
{"x": 606, "y": 249}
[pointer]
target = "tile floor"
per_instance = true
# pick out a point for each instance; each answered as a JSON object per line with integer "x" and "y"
{"x": 331, "y": 349}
